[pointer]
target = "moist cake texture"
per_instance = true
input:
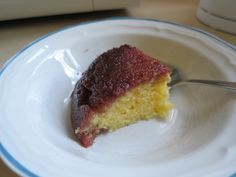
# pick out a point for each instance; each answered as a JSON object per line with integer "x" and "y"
{"x": 121, "y": 86}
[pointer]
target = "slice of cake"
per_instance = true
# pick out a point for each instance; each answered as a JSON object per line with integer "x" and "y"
{"x": 121, "y": 87}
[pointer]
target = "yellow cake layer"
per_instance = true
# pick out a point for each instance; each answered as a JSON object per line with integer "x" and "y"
{"x": 146, "y": 101}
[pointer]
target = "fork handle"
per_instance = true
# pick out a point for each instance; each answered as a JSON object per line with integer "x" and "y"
{"x": 223, "y": 84}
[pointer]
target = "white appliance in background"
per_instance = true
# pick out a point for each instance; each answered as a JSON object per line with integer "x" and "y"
{"x": 15, "y": 9}
{"x": 219, "y": 14}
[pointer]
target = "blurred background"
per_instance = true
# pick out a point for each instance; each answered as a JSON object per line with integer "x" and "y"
{"x": 23, "y": 21}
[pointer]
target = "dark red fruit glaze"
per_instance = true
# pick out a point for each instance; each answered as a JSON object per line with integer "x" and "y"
{"x": 107, "y": 78}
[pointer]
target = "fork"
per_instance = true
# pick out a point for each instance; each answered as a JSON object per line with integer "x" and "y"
{"x": 176, "y": 79}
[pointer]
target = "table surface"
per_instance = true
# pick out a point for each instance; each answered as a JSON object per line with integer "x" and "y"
{"x": 15, "y": 34}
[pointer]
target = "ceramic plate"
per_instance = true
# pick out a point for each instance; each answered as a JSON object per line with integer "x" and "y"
{"x": 198, "y": 137}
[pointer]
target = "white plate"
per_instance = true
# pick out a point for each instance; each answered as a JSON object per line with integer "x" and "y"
{"x": 198, "y": 139}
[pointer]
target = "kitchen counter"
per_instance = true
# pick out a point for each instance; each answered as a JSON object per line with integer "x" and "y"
{"x": 15, "y": 34}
